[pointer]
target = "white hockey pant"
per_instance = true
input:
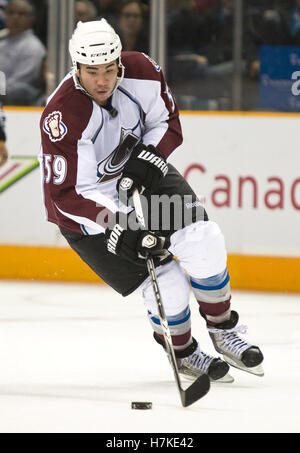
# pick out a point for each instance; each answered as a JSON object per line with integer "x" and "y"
{"x": 200, "y": 248}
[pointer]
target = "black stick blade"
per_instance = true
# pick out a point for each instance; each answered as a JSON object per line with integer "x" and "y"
{"x": 197, "y": 390}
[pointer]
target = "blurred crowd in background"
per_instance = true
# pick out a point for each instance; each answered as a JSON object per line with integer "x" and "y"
{"x": 200, "y": 41}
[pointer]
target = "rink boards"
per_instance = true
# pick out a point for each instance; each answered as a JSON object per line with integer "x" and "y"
{"x": 244, "y": 168}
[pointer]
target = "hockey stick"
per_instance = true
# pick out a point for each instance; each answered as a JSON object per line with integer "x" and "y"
{"x": 201, "y": 385}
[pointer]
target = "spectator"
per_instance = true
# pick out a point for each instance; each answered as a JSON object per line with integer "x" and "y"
{"x": 218, "y": 24}
{"x": 288, "y": 23}
{"x": 108, "y": 9}
{"x": 40, "y": 26}
{"x": 219, "y": 28}
{"x": 294, "y": 22}
{"x": 21, "y": 55}
{"x": 268, "y": 25}
{"x": 85, "y": 11}
{"x": 132, "y": 28}
{"x": 184, "y": 27}
{"x": 3, "y": 150}
{"x": 185, "y": 38}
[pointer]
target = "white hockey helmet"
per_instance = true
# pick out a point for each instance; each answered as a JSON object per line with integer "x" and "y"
{"x": 94, "y": 42}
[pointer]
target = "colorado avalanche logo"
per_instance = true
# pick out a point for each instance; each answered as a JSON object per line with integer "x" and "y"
{"x": 54, "y": 127}
{"x": 112, "y": 166}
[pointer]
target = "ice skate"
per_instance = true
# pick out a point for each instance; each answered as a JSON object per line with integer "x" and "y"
{"x": 199, "y": 363}
{"x": 234, "y": 349}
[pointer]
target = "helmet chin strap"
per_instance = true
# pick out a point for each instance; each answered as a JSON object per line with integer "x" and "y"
{"x": 120, "y": 77}
{"x": 77, "y": 83}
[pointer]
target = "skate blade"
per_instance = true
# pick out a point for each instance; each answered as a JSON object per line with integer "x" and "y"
{"x": 227, "y": 379}
{"x": 256, "y": 370}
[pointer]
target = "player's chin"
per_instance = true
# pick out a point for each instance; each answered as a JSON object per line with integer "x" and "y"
{"x": 101, "y": 98}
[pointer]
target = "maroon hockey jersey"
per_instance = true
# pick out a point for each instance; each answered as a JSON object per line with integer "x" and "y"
{"x": 84, "y": 147}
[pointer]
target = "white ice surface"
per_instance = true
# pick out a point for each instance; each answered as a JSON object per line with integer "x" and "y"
{"x": 74, "y": 356}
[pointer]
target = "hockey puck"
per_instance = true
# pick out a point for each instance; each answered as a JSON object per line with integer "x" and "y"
{"x": 141, "y": 405}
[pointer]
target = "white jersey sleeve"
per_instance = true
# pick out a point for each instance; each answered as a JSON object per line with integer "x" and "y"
{"x": 145, "y": 81}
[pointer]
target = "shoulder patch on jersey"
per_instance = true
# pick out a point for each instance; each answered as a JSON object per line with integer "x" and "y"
{"x": 156, "y": 65}
{"x": 54, "y": 126}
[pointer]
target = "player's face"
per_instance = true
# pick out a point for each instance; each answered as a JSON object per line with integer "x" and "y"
{"x": 99, "y": 80}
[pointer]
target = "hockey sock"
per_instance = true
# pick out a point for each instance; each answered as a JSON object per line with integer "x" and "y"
{"x": 180, "y": 328}
{"x": 213, "y": 296}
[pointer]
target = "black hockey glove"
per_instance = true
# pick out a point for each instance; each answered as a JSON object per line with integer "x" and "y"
{"x": 134, "y": 245}
{"x": 144, "y": 170}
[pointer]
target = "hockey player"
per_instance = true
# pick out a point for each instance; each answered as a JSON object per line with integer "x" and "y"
{"x": 113, "y": 120}
{"x": 3, "y": 149}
